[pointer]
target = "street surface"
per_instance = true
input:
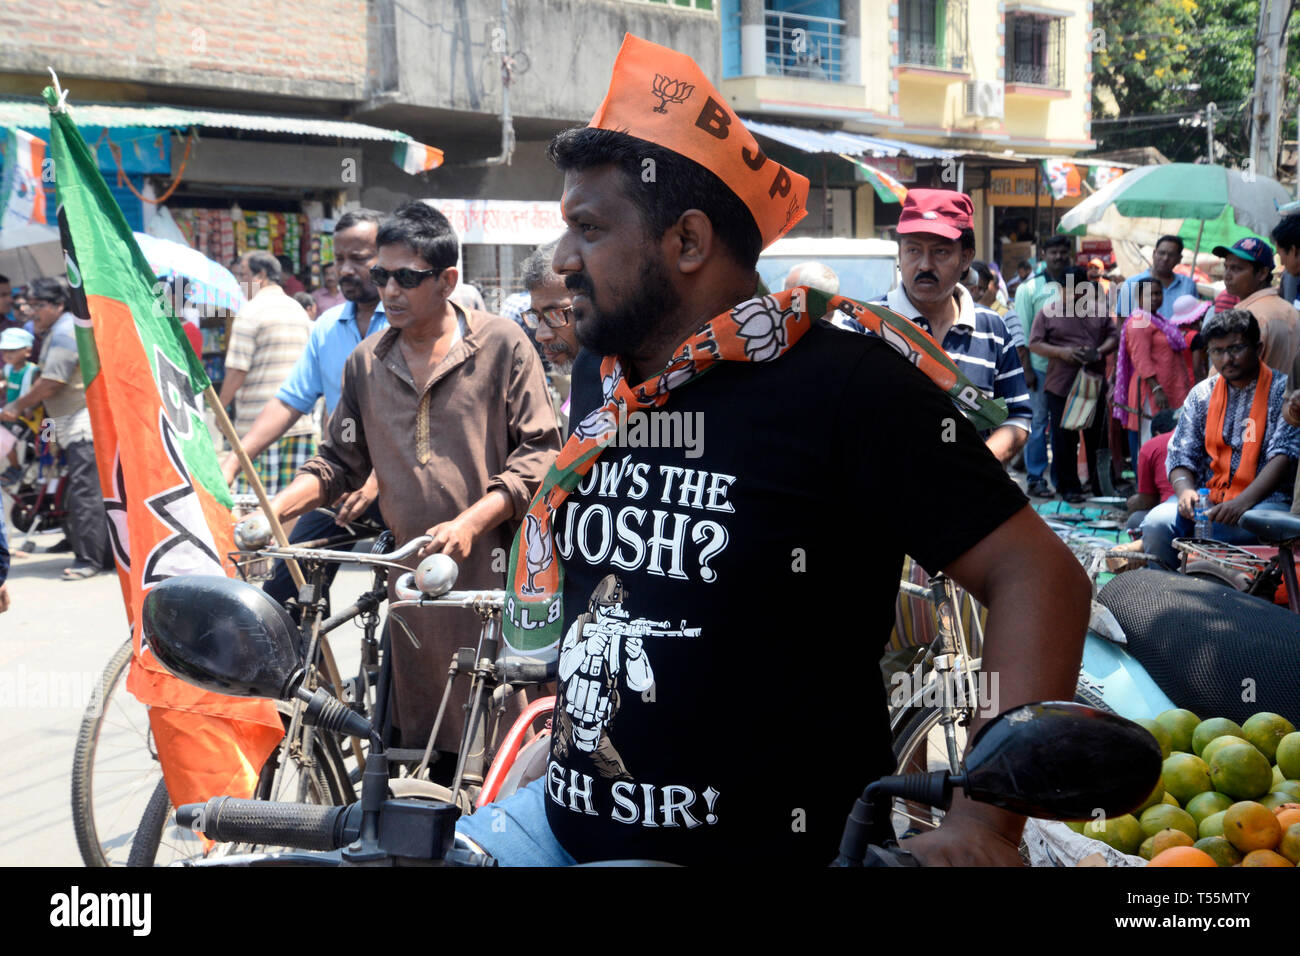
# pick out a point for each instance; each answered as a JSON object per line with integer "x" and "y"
{"x": 54, "y": 642}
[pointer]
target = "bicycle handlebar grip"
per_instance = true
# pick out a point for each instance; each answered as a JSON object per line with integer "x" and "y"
{"x": 405, "y": 588}
{"x": 264, "y": 822}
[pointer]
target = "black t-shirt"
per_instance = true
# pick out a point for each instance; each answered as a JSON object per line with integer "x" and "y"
{"x": 727, "y": 599}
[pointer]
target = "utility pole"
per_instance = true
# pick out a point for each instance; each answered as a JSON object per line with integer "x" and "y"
{"x": 1209, "y": 132}
{"x": 1270, "y": 63}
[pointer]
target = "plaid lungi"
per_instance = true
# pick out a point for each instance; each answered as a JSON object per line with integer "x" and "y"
{"x": 278, "y": 464}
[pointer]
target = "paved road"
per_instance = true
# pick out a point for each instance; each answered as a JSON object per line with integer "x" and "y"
{"x": 54, "y": 642}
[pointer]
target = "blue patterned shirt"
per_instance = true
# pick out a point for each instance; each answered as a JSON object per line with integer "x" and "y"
{"x": 1187, "y": 447}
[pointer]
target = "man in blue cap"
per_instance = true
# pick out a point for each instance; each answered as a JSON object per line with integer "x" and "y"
{"x": 1248, "y": 274}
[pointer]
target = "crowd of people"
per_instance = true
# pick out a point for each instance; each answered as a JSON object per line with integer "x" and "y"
{"x": 442, "y": 419}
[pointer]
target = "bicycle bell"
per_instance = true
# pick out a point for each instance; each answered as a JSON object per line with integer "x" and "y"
{"x": 436, "y": 574}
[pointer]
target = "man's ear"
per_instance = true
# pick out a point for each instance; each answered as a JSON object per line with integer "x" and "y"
{"x": 448, "y": 280}
{"x": 693, "y": 241}
{"x": 967, "y": 257}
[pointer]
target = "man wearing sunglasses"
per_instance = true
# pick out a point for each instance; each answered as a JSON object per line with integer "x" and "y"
{"x": 550, "y": 318}
{"x": 449, "y": 409}
{"x": 1231, "y": 439}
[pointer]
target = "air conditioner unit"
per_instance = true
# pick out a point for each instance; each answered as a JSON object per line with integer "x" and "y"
{"x": 984, "y": 99}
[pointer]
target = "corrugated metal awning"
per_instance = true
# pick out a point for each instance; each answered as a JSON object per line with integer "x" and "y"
{"x": 37, "y": 116}
{"x": 837, "y": 141}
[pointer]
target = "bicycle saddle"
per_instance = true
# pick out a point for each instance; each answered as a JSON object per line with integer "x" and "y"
{"x": 1201, "y": 642}
{"x": 1272, "y": 527}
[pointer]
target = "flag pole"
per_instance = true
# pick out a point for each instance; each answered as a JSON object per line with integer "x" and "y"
{"x": 250, "y": 473}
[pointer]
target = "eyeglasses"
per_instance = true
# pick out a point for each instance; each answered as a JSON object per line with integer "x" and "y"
{"x": 406, "y": 278}
{"x": 554, "y": 318}
{"x": 1236, "y": 351}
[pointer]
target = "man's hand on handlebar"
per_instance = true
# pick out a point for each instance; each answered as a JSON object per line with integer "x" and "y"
{"x": 230, "y": 467}
{"x": 454, "y": 538}
{"x": 964, "y": 841}
{"x": 353, "y": 506}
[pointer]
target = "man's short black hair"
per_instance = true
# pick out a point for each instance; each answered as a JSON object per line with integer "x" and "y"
{"x": 1174, "y": 239}
{"x": 425, "y": 230}
{"x": 264, "y": 263}
{"x": 1286, "y": 234}
{"x": 1164, "y": 421}
{"x": 355, "y": 217}
{"x": 1023, "y": 264}
{"x": 967, "y": 239}
{"x": 678, "y": 184}
{"x": 1051, "y": 242}
{"x": 48, "y": 289}
{"x": 1225, "y": 323}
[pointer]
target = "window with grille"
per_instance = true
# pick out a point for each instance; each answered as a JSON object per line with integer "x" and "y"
{"x": 933, "y": 33}
{"x": 1036, "y": 50}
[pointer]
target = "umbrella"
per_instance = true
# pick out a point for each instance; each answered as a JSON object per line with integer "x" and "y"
{"x": 1203, "y": 204}
{"x": 29, "y": 252}
{"x": 207, "y": 283}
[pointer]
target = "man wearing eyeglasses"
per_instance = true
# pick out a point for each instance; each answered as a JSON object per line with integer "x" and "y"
{"x": 1231, "y": 439}
{"x": 550, "y": 318}
{"x": 449, "y": 409}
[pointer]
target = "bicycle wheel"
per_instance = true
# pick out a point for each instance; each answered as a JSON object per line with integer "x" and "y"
{"x": 920, "y": 747}
{"x": 159, "y": 841}
{"x": 114, "y": 767}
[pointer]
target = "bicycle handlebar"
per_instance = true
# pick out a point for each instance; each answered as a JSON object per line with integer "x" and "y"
{"x": 392, "y": 559}
{"x": 263, "y": 822}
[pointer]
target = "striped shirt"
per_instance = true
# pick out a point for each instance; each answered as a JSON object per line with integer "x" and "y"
{"x": 269, "y": 334}
{"x": 980, "y": 344}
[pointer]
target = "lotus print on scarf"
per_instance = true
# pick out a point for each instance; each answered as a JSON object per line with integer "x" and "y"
{"x": 762, "y": 325}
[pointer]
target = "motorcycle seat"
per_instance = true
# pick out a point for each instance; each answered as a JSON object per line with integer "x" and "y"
{"x": 1272, "y": 527}
{"x": 1214, "y": 651}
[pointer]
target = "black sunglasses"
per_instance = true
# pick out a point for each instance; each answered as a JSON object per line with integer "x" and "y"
{"x": 554, "y": 318}
{"x": 406, "y": 278}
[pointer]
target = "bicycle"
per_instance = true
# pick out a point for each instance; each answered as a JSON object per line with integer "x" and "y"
{"x": 307, "y": 767}
{"x": 116, "y": 776}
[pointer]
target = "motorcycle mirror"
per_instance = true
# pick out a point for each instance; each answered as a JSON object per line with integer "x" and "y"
{"x": 1061, "y": 760}
{"x": 223, "y": 635}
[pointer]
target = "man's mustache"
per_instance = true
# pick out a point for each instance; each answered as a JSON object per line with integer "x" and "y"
{"x": 578, "y": 282}
{"x": 926, "y": 275}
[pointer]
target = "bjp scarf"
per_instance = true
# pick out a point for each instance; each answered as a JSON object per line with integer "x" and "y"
{"x": 758, "y": 330}
{"x": 1221, "y": 487}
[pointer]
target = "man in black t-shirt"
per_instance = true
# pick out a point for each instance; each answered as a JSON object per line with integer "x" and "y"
{"x": 730, "y": 560}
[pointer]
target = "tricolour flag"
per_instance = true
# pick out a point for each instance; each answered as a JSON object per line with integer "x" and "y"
{"x": 22, "y": 196}
{"x": 168, "y": 507}
{"x": 1063, "y": 177}
{"x": 886, "y": 186}
{"x": 415, "y": 157}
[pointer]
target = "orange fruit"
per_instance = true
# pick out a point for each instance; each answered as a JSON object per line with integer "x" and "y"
{"x": 1210, "y": 749}
{"x": 1167, "y": 839}
{"x": 1223, "y": 852}
{"x": 1204, "y": 804}
{"x": 1287, "y": 756}
{"x": 1275, "y": 801}
{"x": 1266, "y": 731}
{"x": 1185, "y": 775}
{"x": 1156, "y": 796}
{"x": 1289, "y": 786}
{"x": 1265, "y": 858}
{"x": 1183, "y": 856}
{"x": 1251, "y": 826}
{"x": 1180, "y": 724}
{"x": 1164, "y": 817}
{"x": 1211, "y": 826}
{"x": 1162, "y": 735}
{"x": 1241, "y": 771}
{"x": 1287, "y": 814}
{"x": 1207, "y": 730}
{"x": 1289, "y": 846}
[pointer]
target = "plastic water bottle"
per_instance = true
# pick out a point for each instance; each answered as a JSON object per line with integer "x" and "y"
{"x": 1202, "y": 506}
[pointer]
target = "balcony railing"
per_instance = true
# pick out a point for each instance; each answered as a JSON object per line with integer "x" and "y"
{"x": 1036, "y": 53}
{"x": 933, "y": 34}
{"x": 802, "y": 46}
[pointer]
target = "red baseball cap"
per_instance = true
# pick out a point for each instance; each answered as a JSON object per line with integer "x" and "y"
{"x": 941, "y": 212}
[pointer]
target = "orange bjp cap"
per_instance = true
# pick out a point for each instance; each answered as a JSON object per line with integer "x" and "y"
{"x": 661, "y": 96}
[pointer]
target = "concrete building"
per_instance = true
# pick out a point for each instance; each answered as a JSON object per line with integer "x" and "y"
{"x": 967, "y": 94}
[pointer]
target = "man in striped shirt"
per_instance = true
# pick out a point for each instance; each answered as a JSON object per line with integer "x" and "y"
{"x": 936, "y": 243}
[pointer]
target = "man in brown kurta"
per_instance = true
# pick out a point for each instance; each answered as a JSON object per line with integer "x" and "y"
{"x": 451, "y": 411}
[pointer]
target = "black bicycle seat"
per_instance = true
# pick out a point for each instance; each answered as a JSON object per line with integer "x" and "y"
{"x": 1272, "y": 527}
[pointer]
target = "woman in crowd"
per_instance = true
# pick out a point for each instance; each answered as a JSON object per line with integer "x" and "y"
{"x": 1075, "y": 336}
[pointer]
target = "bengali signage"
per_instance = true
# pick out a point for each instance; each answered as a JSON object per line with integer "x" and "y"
{"x": 501, "y": 221}
{"x": 1015, "y": 187}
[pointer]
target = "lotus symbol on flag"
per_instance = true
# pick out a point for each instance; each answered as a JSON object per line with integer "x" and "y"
{"x": 762, "y": 326}
{"x": 538, "y": 550}
{"x": 670, "y": 91}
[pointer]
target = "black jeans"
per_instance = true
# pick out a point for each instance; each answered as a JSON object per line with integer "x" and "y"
{"x": 87, "y": 519}
{"x": 1065, "y": 446}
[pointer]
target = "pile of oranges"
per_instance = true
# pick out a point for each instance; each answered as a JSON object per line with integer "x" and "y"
{"x": 1228, "y": 795}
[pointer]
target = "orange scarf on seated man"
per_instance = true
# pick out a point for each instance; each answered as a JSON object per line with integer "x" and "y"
{"x": 1223, "y": 488}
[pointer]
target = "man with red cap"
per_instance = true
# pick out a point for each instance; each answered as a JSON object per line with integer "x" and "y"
{"x": 936, "y": 243}
{"x": 671, "y": 578}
